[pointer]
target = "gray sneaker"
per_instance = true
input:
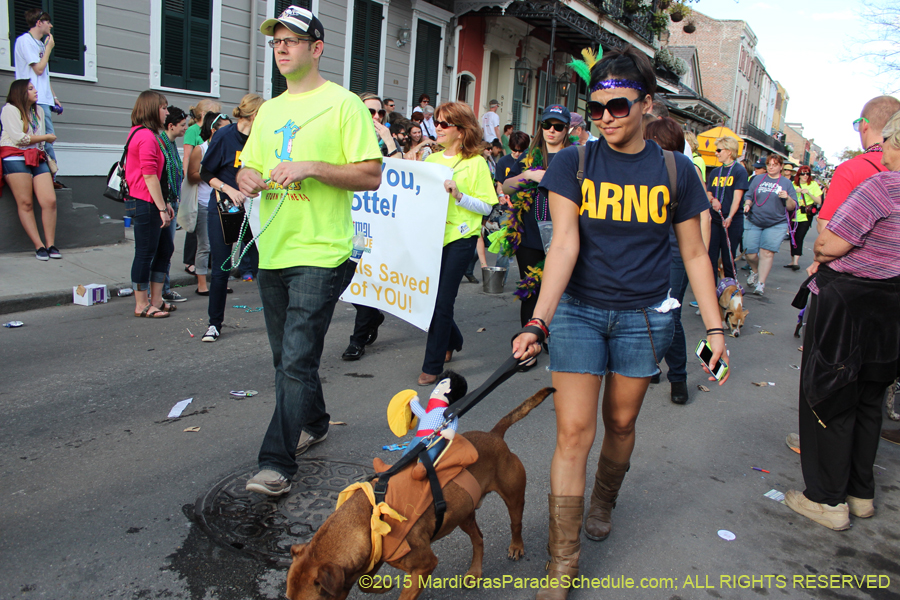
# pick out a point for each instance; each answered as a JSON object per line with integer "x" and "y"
{"x": 307, "y": 440}
{"x": 173, "y": 296}
{"x": 269, "y": 482}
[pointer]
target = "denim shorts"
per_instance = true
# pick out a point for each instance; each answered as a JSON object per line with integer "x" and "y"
{"x": 586, "y": 339}
{"x": 769, "y": 238}
{"x": 19, "y": 166}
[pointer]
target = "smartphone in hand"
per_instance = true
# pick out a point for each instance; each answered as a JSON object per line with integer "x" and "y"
{"x": 704, "y": 353}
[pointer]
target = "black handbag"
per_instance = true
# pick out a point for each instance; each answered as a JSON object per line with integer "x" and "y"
{"x": 231, "y": 221}
{"x": 116, "y": 186}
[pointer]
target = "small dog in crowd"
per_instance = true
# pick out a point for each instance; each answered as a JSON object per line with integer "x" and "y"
{"x": 731, "y": 303}
{"x": 336, "y": 558}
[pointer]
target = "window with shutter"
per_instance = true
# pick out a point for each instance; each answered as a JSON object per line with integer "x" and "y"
{"x": 367, "y": 17}
{"x": 186, "y": 44}
{"x": 428, "y": 57}
{"x": 279, "y": 84}
{"x": 67, "y": 17}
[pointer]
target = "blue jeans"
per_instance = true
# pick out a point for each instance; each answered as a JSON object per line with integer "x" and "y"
{"x": 676, "y": 357}
{"x": 48, "y": 129}
{"x": 298, "y": 304}
{"x": 443, "y": 334}
{"x": 587, "y": 339}
{"x": 152, "y": 245}
{"x": 219, "y": 252}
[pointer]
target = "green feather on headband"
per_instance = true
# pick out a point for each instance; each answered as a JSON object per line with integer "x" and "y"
{"x": 583, "y": 67}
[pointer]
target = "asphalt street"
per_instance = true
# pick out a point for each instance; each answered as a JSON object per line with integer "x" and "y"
{"x": 97, "y": 481}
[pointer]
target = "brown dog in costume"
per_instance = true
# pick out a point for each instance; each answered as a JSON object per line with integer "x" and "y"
{"x": 340, "y": 553}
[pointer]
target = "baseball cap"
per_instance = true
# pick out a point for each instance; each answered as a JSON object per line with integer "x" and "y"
{"x": 298, "y": 20}
{"x": 576, "y": 121}
{"x": 760, "y": 164}
{"x": 493, "y": 103}
{"x": 557, "y": 111}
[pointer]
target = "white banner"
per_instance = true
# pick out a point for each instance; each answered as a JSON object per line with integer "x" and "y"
{"x": 403, "y": 223}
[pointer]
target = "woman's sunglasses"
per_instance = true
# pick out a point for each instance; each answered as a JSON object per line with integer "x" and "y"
{"x": 618, "y": 108}
{"x": 374, "y": 112}
{"x": 444, "y": 124}
{"x": 556, "y": 126}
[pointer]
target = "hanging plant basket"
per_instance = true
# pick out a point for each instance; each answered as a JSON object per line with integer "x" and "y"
{"x": 664, "y": 4}
{"x": 677, "y": 14}
{"x": 689, "y": 27}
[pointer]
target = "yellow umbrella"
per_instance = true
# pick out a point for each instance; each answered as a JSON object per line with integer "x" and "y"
{"x": 706, "y": 144}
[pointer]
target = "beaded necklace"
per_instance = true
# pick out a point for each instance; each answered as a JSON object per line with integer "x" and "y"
{"x": 34, "y": 119}
{"x": 234, "y": 262}
{"x": 174, "y": 169}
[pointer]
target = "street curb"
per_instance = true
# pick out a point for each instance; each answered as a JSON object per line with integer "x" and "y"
{"x": 26, "y": 302}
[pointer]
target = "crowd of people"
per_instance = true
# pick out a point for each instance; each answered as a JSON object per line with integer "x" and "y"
{"x": 607, "y": 278}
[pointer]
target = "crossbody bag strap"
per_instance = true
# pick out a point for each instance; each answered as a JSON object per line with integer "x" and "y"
{"x": 582, "y": 150}
{"x": 673, "y": 179}
{"x": 877, "y": 168}
{"x": 125, "y": 150}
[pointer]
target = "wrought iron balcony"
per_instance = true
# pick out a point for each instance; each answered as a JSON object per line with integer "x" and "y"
{"x": 755, "y": 133}
{"x": 639, "y": 22}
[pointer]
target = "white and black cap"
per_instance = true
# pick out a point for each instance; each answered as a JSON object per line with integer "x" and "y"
{"x": 298, "y": 20}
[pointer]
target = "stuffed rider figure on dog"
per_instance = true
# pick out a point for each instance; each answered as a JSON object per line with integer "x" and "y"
{"x": 450, "y": 387}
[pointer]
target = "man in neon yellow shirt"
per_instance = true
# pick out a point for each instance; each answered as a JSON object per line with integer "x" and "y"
{"x": 295, "y": 153}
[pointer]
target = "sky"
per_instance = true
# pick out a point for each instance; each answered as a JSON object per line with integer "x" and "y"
{"x": 807, "y": 47}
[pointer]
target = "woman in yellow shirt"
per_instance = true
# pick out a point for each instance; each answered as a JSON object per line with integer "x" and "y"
{"x": 471, "y": 196}
{"x": 809, "y": 195}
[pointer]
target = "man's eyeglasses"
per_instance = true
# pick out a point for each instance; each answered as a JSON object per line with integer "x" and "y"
{"x": 857, "y": 122}
{"x": 374, "y": 112}
{"x": 618, "y": 108}
{"x": 546, "y": 125}
{"x": 290, "y": 42}
{"x": 444, "y": 124}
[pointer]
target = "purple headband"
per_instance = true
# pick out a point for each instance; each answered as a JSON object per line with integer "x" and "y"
{"x": 618, "y": 83}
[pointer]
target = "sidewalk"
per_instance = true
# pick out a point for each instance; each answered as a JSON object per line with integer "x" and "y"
{"x": 27, "y": 283}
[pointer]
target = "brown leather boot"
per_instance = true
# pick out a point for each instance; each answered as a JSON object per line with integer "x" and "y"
{"x": 603, "y": 499}
{"x": 564, "y": 544}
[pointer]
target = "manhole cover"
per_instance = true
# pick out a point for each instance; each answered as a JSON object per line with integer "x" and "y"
{"x": 265, "y": 527}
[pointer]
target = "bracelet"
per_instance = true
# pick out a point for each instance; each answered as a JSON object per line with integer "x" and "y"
{"x": 540, "y": 324}
{"x": 715, "y": 332}
{"x": 162, "y": 210}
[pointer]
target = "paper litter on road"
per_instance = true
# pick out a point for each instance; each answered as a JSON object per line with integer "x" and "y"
{"x": 764, "y": 332}
{"x": 193, "y": 429}
{"x": 797, "y": 367}
{"x": 775, "y": 495}
{"x": 179, "y": 408}
{"x": 727, "y": 535}
{"x": 702, "y": 388}
{"x": 480, "y": 330}
{"x": 336, "y": 423}
{"x": 762, "y": 383}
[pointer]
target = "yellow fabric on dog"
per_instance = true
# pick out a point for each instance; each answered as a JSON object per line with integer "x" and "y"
{"x": 379, "y": 527}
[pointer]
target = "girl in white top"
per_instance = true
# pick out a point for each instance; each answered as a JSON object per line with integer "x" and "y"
{"x": 24, "y": 136}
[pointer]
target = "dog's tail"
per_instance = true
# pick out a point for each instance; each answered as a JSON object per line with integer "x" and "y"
{"x": 521, "y": 411}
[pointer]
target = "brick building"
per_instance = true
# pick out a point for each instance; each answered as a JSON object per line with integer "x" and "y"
{"x": 735, "y": 78}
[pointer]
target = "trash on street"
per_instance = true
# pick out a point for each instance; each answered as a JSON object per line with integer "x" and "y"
{"x": 179, "y": 408}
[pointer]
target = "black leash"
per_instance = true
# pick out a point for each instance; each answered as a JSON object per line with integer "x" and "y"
{"x": 420, "y": 451}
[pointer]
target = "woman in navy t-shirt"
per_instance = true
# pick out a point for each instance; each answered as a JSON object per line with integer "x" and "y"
{"x": 605, "y": 286}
